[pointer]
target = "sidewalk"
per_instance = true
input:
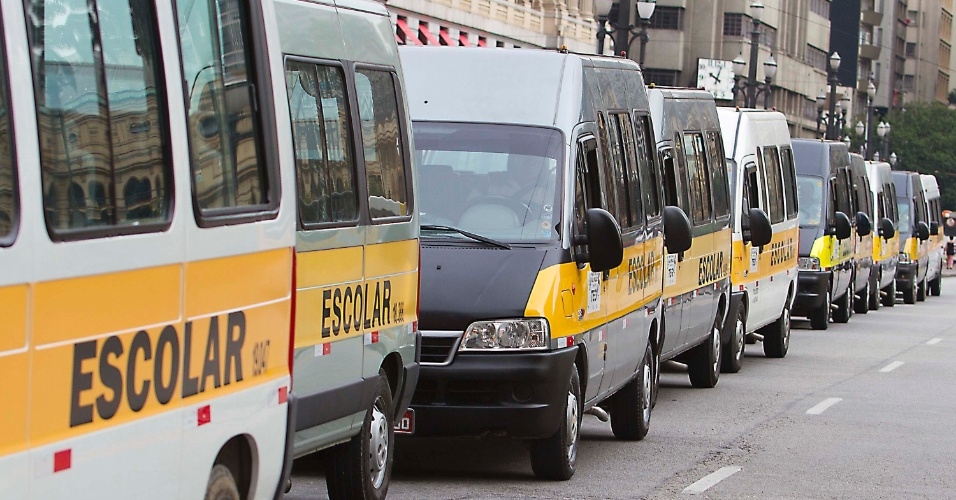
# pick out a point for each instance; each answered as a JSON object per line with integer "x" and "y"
{"x": 948, "y": 272}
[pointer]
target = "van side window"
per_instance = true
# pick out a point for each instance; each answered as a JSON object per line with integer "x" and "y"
{"x": 607, "y": 169}
{"x": 617, "y": 170}
{"x": 697, "y": 174}
{"x": 789, "y": 182}
{"x": 675, "y": 179}
{"x": 385, "y": 166}
{"x": 9, "y": 200}
{"x": 775, "y": 194}
{"x": 229, "y": 172}
{"x": 586, "y": 191}
{"x": 631, "y": 181}
{"x": 648, "y": 168}
{"x": 322, "y": 137}
{"x": 101, "y": 119}
{"x": 840, "y": 191}
{"x": 718, "y": 174}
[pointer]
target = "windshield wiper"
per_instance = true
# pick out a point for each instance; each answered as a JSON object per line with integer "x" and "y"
{"x": 477, "y": 237}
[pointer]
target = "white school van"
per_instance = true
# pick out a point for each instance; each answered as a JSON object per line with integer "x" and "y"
{"x": 172, "y": 239}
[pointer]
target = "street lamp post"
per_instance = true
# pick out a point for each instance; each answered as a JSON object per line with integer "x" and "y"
{"x": 833, "y": 81}
{"x": 621, "y": 28}
{"x": 828, "y": 117}
{"x": 864, "y": 129}
{"x": 751, "y": 88}
{"x": 883, "y": 131}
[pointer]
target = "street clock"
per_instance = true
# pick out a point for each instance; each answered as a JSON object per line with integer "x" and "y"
{"x": 716, "y": 77}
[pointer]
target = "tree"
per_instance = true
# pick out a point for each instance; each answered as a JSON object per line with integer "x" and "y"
{"x": 924, "y": 140}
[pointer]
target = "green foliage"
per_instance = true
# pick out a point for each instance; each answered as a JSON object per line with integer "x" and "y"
{"x": 952, "y": 96}
{"x": 924, "y": 140}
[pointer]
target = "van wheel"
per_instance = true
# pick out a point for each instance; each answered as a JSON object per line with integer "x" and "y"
{"x": 921, "y": 291}
{"x": 554, "y": 457}
{"x": 362, "y": 467}
{"x": 889, "y": 300}
{"x": 844, "y": 307}
{"x": 222, "y": 486}
{"x": 862, "y": 305}
{"x": 703, "y": 363}
{"x": 655, "y": 376}
{"x": 776, "y": 336}
{"x": 934, "y": 286}
{"x": 820, "y": 319}
{"x": 874, "y": 297}
{"x": 734, "y": 349}
{"x": 631, "y": 411}
{"x": 909, "y": 293}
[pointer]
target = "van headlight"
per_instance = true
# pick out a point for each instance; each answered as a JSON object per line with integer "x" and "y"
{"x": 507, "y": 334}
{"x": 808, "y": 264}
{"x": 904, "y": 258}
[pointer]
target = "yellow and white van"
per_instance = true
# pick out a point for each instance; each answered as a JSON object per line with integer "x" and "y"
{"x": 763, "y": 189}
{"x": 697, "y": 281}
{"x": 914, "y": 237}
{"x": 194, "y": 196}
{"x": 886, "y": 240}
{"x": 934, "y": 213}
{"x": 864, "y": 272}
{"x": 543, "y": 236}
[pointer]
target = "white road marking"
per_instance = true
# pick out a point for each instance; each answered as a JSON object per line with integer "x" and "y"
{"x": 934, "y": 341}
{"x": 890, "y": 367}
{"x": 711, "y": 479}
{"x": 822, "y": 407}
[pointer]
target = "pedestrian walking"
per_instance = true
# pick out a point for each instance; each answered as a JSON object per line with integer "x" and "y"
{"x": 950, "y": 252}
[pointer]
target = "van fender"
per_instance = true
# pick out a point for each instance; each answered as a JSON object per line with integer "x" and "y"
{"x": 730, "y": 319}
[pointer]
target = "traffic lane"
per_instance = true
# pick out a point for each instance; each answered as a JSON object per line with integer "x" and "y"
{"x": 693, "y": 432}
{"x": 889, "y": 436}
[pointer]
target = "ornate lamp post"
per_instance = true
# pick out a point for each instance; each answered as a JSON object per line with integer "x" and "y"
{"x": 621, "y": 28}
{"x": 864, "y": 130}
{"x": 883, "y": 131}
{"x": 833, "y": 81}
{"x": 751, "y": 88}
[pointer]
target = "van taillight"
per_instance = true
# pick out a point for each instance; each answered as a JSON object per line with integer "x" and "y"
{"x": 292, "y": 315}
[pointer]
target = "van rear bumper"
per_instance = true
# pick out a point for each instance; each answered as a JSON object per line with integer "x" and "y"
{"x": 906, "y": 275}
{"x": 516, "y": 394}
{"x": 812, "y": 288}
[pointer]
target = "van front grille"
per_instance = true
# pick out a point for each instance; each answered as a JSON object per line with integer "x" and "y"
{"x": 439, "y": 348}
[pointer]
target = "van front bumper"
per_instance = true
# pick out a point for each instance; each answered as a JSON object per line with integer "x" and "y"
{"x": 812, "y": 288}
{"x": 906, "y": 275}
{"x": 516, "y": 394}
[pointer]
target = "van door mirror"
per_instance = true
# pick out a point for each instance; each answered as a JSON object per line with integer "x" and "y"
{"x": 934, "y": 228}
{"x": 758, "y": 232}
{"x": 677, "y": 237}
{"x": 863, "y": 224}
{"x": 605, "y": 246}
{"x": 887, "y": 230}
{"x": 842, "y": 228}
{"x": 922, "y": 231}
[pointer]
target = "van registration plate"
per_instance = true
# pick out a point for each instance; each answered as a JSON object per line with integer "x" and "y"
{"x": 406, "y": 424}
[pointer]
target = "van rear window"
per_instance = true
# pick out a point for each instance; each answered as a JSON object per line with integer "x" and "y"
{"x": 101, "y": 116}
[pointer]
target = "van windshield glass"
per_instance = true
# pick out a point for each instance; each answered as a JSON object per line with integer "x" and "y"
{"x": 810, "y": 193}
{"x": 904, "y": 225}
{"x": 497, "y": 181}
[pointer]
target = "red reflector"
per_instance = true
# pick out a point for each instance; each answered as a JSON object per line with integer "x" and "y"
{"x": 62, "y": 460}
{"x": 203, "y": 415}
{"x": 415, "y": 326}
{"x": 283, "y": 395}
{"x": 374, "y": 337}
{"x": 326, "y": 349}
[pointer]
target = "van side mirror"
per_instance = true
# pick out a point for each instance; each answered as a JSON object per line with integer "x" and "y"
{"x": 934, "y": 228}
{"x": 863, "y": 224}
{"x": 922, "y": 231}
{"x": 677, "y": 236}
{"x": 605, "y": 246}
{"x": 887, "y": 229}
{"x": 758, "y": 232}
{"x": 842, "y": 228}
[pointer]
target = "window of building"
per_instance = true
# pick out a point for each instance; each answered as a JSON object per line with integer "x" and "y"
{"x": 105, "y": 80}
{"x": 322, "y": 141}
{"x": 665, "y": 77}
{"x": 738, "y": 25}
{"x": 910, "y": 49}
{"x": 385, "y": 157}
{"x": 733, "y": 24}
{"x": 817, "y": 58}
{"x": 768, "y": 36}
{"x": 9, "y": 206}
{"x": 667, "y": 18}
{"x": 821, "y": 7}
{"x": 229, "y": 173}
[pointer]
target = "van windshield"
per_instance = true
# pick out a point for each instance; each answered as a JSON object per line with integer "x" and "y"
{"x": 810, "y": 193}
{"x": 497, "y": 181}
{"x": 904, "y": 224}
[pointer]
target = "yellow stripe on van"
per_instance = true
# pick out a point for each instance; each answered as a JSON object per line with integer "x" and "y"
{"x": 832, "y": 252}
{"x": 885, "y": 249}
{"x": 13, "y": 319}
{"x": 211, "y": 284}
{"x": 778, "y": 256}
{"x": 320, "y": 268}
{"x": 706, "y": 262}
{"x": 386, "y": 259}
{"x": 93, "y": 305}
{"x": 14, "y": 395}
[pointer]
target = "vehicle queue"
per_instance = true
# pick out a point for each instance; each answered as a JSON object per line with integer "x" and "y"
{"x": 316, "y": 243}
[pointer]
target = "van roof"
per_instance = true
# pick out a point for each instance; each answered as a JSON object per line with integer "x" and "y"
{"x": 744, "y": 129}
{"x": 819, "y": 157}
{"x": 675, "y": 110}
{"x": 514, "y": 86}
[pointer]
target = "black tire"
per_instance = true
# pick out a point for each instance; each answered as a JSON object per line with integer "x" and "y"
{"x": 844, "y": 307}
{"x": 222, "y": 485}
{"x": 874, "y": 297}
{"x": 362, "y": 467}
{"x": 921, "y": 291}
{"x": 889, "y": 300}
{"x": 776, "y": 336}
{"x": 820, "y": 319}
{"x": 862, "y": 305}
{"x": 631, "y": 409}
{"x": 703, "y": 361}
{"x": 554, "y": 457}
{"x": 909, "y": 294}
{"x": 935, "y": 288}
{"x": 734, "y": 348}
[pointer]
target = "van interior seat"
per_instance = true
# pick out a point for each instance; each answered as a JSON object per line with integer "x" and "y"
{"x": 441, "y": 196}
{"x": 485, "y": 216}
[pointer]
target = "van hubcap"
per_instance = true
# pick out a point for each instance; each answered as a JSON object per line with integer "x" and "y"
{"x": 378, "y": 445}
{"x": 572, "y": 425}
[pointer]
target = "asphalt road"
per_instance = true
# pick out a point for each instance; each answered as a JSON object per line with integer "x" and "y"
{"x": 861, "y": 410}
